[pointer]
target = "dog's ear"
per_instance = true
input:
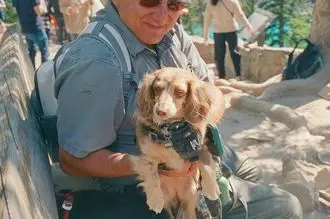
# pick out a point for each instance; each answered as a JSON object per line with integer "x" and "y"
{"x": 146, "y": 96}
{"x": 198, "y": 103}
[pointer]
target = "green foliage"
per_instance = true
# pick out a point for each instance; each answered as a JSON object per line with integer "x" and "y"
{"x": 193, "y": 22}
{"x": 11, "y": 16}
{"x": 293, "y": 21}
{"x": 248, "y": 6}
{"x": 300, "y": 29}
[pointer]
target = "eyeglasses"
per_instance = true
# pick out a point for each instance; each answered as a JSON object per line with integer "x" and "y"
{"x": 174, "y": 5}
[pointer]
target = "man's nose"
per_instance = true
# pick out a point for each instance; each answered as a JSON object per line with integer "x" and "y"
{"x": 161, "y": 13}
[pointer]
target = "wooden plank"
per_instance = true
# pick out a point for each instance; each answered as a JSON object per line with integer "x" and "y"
{"x": 27, "y": 189}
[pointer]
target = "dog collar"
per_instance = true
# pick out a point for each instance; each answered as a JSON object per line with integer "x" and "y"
{"x": 180, "y": 136}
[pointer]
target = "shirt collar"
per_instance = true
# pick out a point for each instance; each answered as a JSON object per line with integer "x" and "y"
{"x": 133, "y": 44}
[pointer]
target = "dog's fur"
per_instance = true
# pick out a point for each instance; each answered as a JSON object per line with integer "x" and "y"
{"x": 165, "y": 96}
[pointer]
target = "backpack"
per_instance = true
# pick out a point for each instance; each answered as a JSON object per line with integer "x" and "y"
{"x": 306, "y": 64}
{"x": 43, "y": 97}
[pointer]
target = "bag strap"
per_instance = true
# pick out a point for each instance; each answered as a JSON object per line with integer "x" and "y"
{"x": 232, "y": 13}
{"x": 296, "y": 46}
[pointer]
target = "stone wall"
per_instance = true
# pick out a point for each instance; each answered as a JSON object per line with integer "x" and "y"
{"x": 257, "y": 63}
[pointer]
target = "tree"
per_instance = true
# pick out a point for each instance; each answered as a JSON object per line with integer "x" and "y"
{"x": 248, "y": 6}
{"x": 193, "y": 22}
{"x": 11, "y": 16}
{"x": 293, "y": 21}
{"x": 283, "y": 9}
{"x": 320, "y": 31}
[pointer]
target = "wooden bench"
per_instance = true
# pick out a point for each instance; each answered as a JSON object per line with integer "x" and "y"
{"x": 27, "y": 188}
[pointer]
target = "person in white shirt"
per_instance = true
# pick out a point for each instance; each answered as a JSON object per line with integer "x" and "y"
{"x": 224, "y": 15}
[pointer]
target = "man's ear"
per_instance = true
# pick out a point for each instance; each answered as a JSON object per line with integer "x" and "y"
{"x": 198, "y": 102}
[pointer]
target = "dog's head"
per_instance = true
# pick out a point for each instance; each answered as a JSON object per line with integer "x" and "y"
{"x": 172, "y": 94}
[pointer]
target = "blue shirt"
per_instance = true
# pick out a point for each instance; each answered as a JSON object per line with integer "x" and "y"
{"x": 91, "y": 110}
{"x": 28, "y": 18}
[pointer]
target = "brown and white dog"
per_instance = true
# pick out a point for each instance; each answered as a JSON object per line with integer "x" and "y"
{"x": 166, "y": 96}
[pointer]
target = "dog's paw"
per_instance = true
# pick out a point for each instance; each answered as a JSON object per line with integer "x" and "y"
{"x": 210, "y": 189}
{"x": 155, "y": 201}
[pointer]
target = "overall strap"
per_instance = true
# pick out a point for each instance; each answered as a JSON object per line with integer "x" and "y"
{"x": 113, "y": 40}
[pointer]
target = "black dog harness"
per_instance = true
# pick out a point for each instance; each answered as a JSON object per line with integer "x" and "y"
{"x": 180, "y": 136}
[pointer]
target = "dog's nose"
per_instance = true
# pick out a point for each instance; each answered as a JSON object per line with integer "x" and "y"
{"x": 161, "y": 112}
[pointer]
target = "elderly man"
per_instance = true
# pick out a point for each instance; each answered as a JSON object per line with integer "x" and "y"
{"x": 95, "y": 127}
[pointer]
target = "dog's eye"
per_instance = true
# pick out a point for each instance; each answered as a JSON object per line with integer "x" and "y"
{"x": 179, "y": 92}
{"x": 158, "y": 89}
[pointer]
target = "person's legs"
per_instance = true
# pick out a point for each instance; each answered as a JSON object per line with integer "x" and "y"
{"x": 42, "y": 42}
{"x": 241, "y": 165}
{"x": 263, "y": 202}
{"x": 31, "y": 39}
{"x": 231, "y": 39}
{"x": 60, "y": 23}
{"x": 220, "y": 53}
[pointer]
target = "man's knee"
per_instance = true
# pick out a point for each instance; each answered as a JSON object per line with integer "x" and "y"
{"x": 241, "y": 165}
{"x": 291, "y": 207}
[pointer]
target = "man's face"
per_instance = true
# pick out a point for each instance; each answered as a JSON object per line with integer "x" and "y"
{"x": 149, "y": 24}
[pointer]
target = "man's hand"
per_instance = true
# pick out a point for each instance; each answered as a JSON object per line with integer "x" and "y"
{"x": 188, "y": 170}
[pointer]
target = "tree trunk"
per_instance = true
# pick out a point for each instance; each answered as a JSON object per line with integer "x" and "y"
{"x": 320, "y": 31}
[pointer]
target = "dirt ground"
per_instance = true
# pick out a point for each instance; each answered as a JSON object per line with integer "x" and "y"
{"x": 294, "y": 157}
{"x": 297, "y": 160}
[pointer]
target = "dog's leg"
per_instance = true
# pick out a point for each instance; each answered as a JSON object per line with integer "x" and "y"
{"x": 174, "y": 160}
{"x": 147, "y": 171}
{"x": 170, "y": 213}
{"x": 187, "y": 210}
{"x": 188, "y": 199}
{"x": 208, "y": 168}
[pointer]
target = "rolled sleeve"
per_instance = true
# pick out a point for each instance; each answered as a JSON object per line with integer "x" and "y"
{"x": 90, "y": 105}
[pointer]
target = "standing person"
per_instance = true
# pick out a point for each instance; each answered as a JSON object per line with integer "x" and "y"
{"x": 224, "y": 15}
{"x": 76, "y": 16}
{"x": 95, "y": 126}
{"x": 29, "y": 14}
{"x": 2, "y": 16}
{"x": 54, "y": 10}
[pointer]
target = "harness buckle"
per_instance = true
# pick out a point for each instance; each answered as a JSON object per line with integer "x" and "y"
{"x": 168, "y": 144}
{"x": 153, "y": 136}
{"x": 68, "y": 202}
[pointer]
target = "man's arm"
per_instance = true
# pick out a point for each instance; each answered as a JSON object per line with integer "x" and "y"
{"x": 38, "y": 10}
{"x": 90, "y": 111}
{"x": 102, "y": 163}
